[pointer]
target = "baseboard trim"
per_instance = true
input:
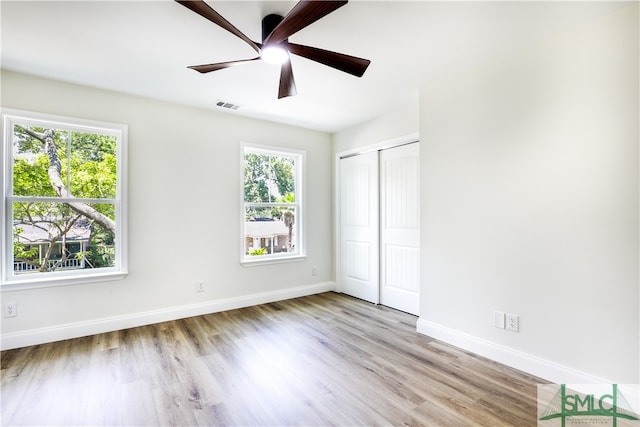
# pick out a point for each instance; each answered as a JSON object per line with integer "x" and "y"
{"x": 539, "y": 367}
{"x": 115, "y": 323}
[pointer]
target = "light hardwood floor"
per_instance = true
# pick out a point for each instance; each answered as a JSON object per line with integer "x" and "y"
{"x": 321, "y": 360}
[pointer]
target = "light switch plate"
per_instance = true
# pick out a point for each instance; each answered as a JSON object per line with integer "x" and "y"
{"x": 498, "y": 319}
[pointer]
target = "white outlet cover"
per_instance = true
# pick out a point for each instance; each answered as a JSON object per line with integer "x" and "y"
{"x": 200, "y": 286}
{"x": 10, "y": 309}
{"x": 513, "y": 322}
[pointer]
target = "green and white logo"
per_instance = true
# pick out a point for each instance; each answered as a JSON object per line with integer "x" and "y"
{"x": 585, "y": 405}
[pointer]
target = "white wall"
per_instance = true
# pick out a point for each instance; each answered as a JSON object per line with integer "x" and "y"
{"x": 396, "y": 124}
{"x": 184, "y": 221}
{"x": 530, "y": 201}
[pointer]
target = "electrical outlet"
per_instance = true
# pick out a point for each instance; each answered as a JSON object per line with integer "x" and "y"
{"x": 314, "y": 271}
{"x": 498, "y": 319}
{"x": 200, "y": 286}
{"x": 10, "y": 309}
{"x": 513, "y": 322}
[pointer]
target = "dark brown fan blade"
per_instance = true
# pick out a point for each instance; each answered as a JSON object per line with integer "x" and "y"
{"x": 204, "y": 10}
{"x": 339, "y": 61}
{"x": 287, "y": 83}
{"x": 303, "y": 14}
{"x": 207, "y": 68}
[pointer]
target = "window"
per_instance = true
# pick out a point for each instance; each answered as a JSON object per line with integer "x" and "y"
{"x": 63, "y": 199}
{"x": 272, "y": 205}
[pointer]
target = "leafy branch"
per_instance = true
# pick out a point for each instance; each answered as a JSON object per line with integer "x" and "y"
{"x": 57, "y": 184}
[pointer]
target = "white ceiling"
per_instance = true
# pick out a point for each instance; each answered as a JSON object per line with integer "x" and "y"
{"x": 143, "y": 48}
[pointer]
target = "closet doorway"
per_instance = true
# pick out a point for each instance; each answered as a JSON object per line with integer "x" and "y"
{"x": 380, "y": 227}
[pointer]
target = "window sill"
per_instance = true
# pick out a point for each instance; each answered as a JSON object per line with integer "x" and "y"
{"x": 274, "y": 260}
{"x": 35, "y": 283}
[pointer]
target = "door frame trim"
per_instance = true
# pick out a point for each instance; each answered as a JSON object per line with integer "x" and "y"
{"x": 382, "y": 145}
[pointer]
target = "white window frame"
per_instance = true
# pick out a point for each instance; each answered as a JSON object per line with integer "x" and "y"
{"x": 300, "y": 229}
{"x": 10, "y": 281}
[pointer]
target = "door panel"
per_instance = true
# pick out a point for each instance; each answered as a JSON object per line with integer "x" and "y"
{"x": 399, "y": 228}
{"x": 359, "y": 219}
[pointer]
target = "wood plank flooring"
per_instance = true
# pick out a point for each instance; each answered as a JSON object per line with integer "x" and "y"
{"x": 321, "y": 360}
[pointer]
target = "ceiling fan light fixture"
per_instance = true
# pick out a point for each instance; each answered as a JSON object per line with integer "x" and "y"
{"x": 274, "y": 55}
{"x": 275, "y": 47}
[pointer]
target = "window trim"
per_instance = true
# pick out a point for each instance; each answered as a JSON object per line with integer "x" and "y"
{"x": 11, "y": 282}
{"x": 300, "y": 191}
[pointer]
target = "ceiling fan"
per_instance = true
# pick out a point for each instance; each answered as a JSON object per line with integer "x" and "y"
{"x": 275, "y": 46}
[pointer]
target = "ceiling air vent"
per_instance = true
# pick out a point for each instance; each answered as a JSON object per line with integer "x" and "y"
{"x": 228, "y": 105}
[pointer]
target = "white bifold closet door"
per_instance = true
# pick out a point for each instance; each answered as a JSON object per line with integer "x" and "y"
{"x": 359, "y": 226}
{"x": 380, "y": 234}
{"x": 400, "y": 228}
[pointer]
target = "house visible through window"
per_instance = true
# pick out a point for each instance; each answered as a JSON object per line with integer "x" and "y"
{"x": 273, "y": 217}
{"x": 63, "y": 187}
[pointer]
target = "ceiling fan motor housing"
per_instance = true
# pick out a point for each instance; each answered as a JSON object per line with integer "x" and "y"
{"x": 269, "y": 23}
